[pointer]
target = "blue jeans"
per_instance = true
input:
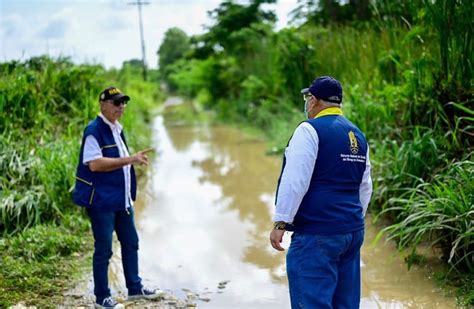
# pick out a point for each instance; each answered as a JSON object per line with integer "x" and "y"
{"x": 103, "y": 226}
{"x": 324, "y": 271}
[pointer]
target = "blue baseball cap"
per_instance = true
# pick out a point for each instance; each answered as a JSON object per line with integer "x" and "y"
{"x": 326, "y": 88}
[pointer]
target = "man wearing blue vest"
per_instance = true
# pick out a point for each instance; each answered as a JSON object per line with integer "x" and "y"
{"x": 322, "y": 196}
{"x": 106, "y": 186}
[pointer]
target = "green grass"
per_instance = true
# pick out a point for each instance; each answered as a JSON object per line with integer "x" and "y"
{"x": 40, "y": 264}
{"x": 439, "y": 212}
{"x": 35, "y": 185}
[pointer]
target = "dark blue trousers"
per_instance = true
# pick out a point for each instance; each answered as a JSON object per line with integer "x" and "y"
{"x": 324, "y": 271}
{"x": 103, "y": 226}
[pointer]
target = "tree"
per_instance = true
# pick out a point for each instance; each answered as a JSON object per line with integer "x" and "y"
{"x": 326, "y": 12}
{"x": 230, "y": 17}
{"x": 174, "y": 47}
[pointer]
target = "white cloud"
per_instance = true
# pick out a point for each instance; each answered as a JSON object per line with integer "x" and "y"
{"x": 104, "y": 32}
{"x": 55, "y": 29}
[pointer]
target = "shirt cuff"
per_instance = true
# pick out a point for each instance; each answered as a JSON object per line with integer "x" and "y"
{"x": 282, "y": 217}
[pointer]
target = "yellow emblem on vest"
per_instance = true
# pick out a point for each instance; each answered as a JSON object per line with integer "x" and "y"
{"x": 353, "y": 140}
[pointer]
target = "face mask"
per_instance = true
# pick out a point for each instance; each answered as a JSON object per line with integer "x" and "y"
{"x": 306, "y": 108}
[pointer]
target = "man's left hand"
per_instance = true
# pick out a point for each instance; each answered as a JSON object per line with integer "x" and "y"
{"x": 276, "y": 237}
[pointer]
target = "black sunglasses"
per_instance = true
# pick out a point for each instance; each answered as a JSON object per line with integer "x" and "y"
{"x": 117, "y": 103}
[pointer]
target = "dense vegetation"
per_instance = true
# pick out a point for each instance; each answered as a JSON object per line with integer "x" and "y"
{"x": 406, "y": 67}
{"x": 44, "y": 106}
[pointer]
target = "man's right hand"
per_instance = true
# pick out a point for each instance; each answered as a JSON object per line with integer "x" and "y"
{"x": 105, "y": 164}
{"x": 276, "y": 237}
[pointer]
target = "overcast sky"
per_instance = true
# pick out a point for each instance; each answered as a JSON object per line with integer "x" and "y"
{"x": 105, "y": 32}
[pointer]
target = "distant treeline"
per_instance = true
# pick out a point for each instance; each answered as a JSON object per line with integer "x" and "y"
{"x": 406, "y": 68}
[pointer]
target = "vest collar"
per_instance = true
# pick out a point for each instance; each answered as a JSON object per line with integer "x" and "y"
{"x": 114, "y": 126}
{"x": 329, "y": 111}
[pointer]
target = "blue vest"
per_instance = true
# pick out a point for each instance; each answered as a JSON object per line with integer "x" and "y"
{"x": 332, "y": 204}
{"x": 103, "y": 191}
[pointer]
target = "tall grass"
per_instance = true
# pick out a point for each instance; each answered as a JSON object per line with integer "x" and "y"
{"x": 440, "y": 212}
{"x": 43, "y": 103}
{"x": 36, "y": 88}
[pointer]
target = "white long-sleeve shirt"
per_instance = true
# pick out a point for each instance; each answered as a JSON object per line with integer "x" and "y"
{"x": 92, "y": 152}
{"x": 301, "y": 155}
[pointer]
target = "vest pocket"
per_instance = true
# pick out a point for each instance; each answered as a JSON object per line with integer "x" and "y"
{"x": 92, "y": 196}
{"x": 83, "y": 193}
{"x": 110, "y": 151}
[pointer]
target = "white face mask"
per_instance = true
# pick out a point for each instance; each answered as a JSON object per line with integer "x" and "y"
{"x": 306, "y": 102}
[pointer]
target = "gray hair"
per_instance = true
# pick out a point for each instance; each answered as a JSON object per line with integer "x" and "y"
{"x": 332, "y": 104}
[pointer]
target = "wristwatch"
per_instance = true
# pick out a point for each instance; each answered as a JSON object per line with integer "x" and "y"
{"x": 279, "y": 225}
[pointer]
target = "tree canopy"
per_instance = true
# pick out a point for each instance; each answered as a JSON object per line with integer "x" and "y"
{"x": 175, "y": 45}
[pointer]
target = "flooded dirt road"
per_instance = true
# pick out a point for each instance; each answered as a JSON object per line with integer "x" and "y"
{"x": 204, "y": 217}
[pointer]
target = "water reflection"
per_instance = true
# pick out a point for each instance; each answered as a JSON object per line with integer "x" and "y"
{"x": 205, "y": 216}
{"x": 386, "y": 282}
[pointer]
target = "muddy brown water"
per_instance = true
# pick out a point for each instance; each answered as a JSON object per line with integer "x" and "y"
{"x": 204, "y": 217}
